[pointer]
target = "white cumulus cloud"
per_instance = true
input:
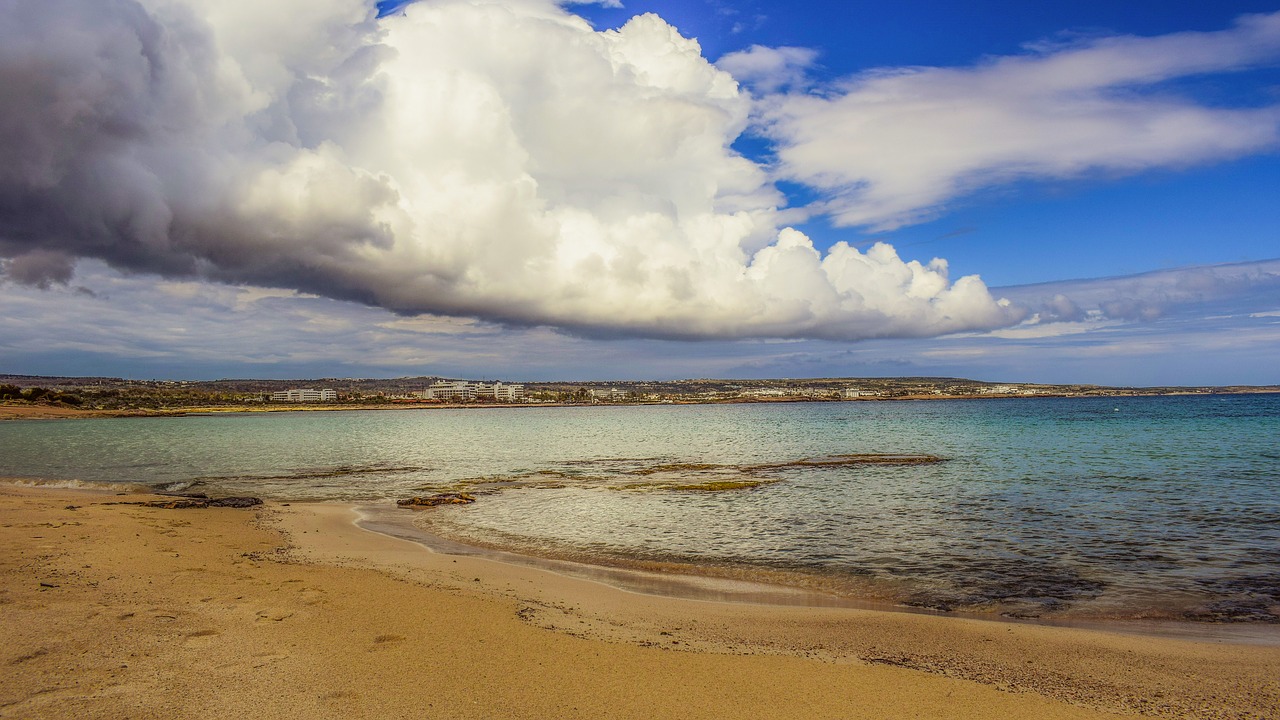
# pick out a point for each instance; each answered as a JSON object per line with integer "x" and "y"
{"x": 769, "y": 69}
{"x": 893, "y": 146}
{"x": 493, "y": 159}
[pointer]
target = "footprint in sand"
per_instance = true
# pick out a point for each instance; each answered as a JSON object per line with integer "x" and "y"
{"x": 200, "y": 637}
{"x": 385, "y": 641}
{"x": 27, "y": 657}
{"x": 263, "y": 659}
{"x": 312, "y": 596}
{"x": 274, "y": 615}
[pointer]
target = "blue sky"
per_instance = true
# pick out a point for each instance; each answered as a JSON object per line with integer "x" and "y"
{"x": 485, "y": 188}
{"x": 855, "y": 35}
{"x": 1034, "y": 231}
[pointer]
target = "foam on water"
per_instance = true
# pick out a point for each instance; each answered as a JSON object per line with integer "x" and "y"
{"x": 71, "y": 484}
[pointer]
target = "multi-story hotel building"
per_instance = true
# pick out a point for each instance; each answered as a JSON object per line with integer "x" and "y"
{"x": 461, "y": 390}
{"x": 304, "y": 395}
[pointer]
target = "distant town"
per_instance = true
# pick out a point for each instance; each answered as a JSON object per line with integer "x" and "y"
{"x": 124, "y": 396}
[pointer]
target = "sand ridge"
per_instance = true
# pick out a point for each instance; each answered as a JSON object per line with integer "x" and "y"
{"x": 114, "y": 611}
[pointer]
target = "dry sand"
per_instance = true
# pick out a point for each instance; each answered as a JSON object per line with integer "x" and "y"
{"x": 42, "y": 412}
{"x": 27, "y": 411}
{"x": 120, "y": 611}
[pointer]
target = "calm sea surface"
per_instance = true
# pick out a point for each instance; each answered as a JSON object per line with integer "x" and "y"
{"x": 1116, "y": 507}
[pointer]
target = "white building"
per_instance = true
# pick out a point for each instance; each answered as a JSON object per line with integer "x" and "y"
{"x": 500, "y": 392}
{"x": 461, "y": 390}
{"x": 446, "y": 390}
{"x": 305, "y": 395}
{"x": 764, "y": 392}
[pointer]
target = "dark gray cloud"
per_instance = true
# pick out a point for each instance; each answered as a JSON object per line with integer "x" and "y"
{"x": 93, "y": 91}
{"x": 39, "y": 268}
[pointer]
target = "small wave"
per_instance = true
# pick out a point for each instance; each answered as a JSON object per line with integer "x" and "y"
{"x": 349, "y": 470}
{"x": 853, "y": 460}
{"x": 75, "y": 484}
{"x": 319, "y": 473}
{"x": 487, "y": 484}
{"x": 175, "y": 488}
{"x": 708, "y": 486}
{"x": 680, "y": 468}
{"x": 613, "y": 461}
{"x": 676, "y": 475}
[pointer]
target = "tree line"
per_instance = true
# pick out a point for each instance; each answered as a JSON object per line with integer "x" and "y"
{"x": 38, "y": 395}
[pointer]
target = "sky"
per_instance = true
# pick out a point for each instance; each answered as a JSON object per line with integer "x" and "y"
{"x": 1076, "y": 192}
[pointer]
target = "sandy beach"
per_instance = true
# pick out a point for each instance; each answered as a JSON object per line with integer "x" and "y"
{"x": 115, "y": 610}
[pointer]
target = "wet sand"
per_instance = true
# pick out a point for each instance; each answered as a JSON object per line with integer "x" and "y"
{"x": 115, "y": 611}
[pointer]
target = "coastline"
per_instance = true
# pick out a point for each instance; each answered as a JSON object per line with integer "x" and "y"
{"x": 689, "y": 581}
{"x": 54, "y": 412}
{"x": 36, "y": 411}
{"x": 292, "y": 609}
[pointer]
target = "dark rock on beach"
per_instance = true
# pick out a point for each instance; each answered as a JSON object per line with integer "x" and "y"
{"x": 199, "y": 503}
{"x": 234, "y": 502}
{"x": 173, "y": 504}
{"x": 448, "y": 498}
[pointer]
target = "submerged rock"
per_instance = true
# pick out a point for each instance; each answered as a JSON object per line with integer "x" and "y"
{"x": 449, "y": 498}
{"x": 1247, "y": 598}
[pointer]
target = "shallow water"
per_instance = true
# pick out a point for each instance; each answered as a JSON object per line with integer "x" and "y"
{"x": 1115, "y": 507}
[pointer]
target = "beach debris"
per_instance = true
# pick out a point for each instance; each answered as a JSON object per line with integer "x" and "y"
{"x": 278, "y": 553}
{"x": 447, "y": 498}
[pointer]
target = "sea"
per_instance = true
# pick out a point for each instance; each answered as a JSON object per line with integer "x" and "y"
{"x": 1087, "y": 508}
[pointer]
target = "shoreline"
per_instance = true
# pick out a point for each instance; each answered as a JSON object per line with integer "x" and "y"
{"x": 690, "y": 580}
{"x": 36, "y": 411}
{"x": 121, "y": 610}
{"x": 688, "y": 583}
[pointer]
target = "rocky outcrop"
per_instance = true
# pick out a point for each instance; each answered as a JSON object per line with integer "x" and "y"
{"x": 449, "y": 498}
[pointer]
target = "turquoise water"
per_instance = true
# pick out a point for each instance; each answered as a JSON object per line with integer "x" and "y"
{"x": 1106, "y": 507}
